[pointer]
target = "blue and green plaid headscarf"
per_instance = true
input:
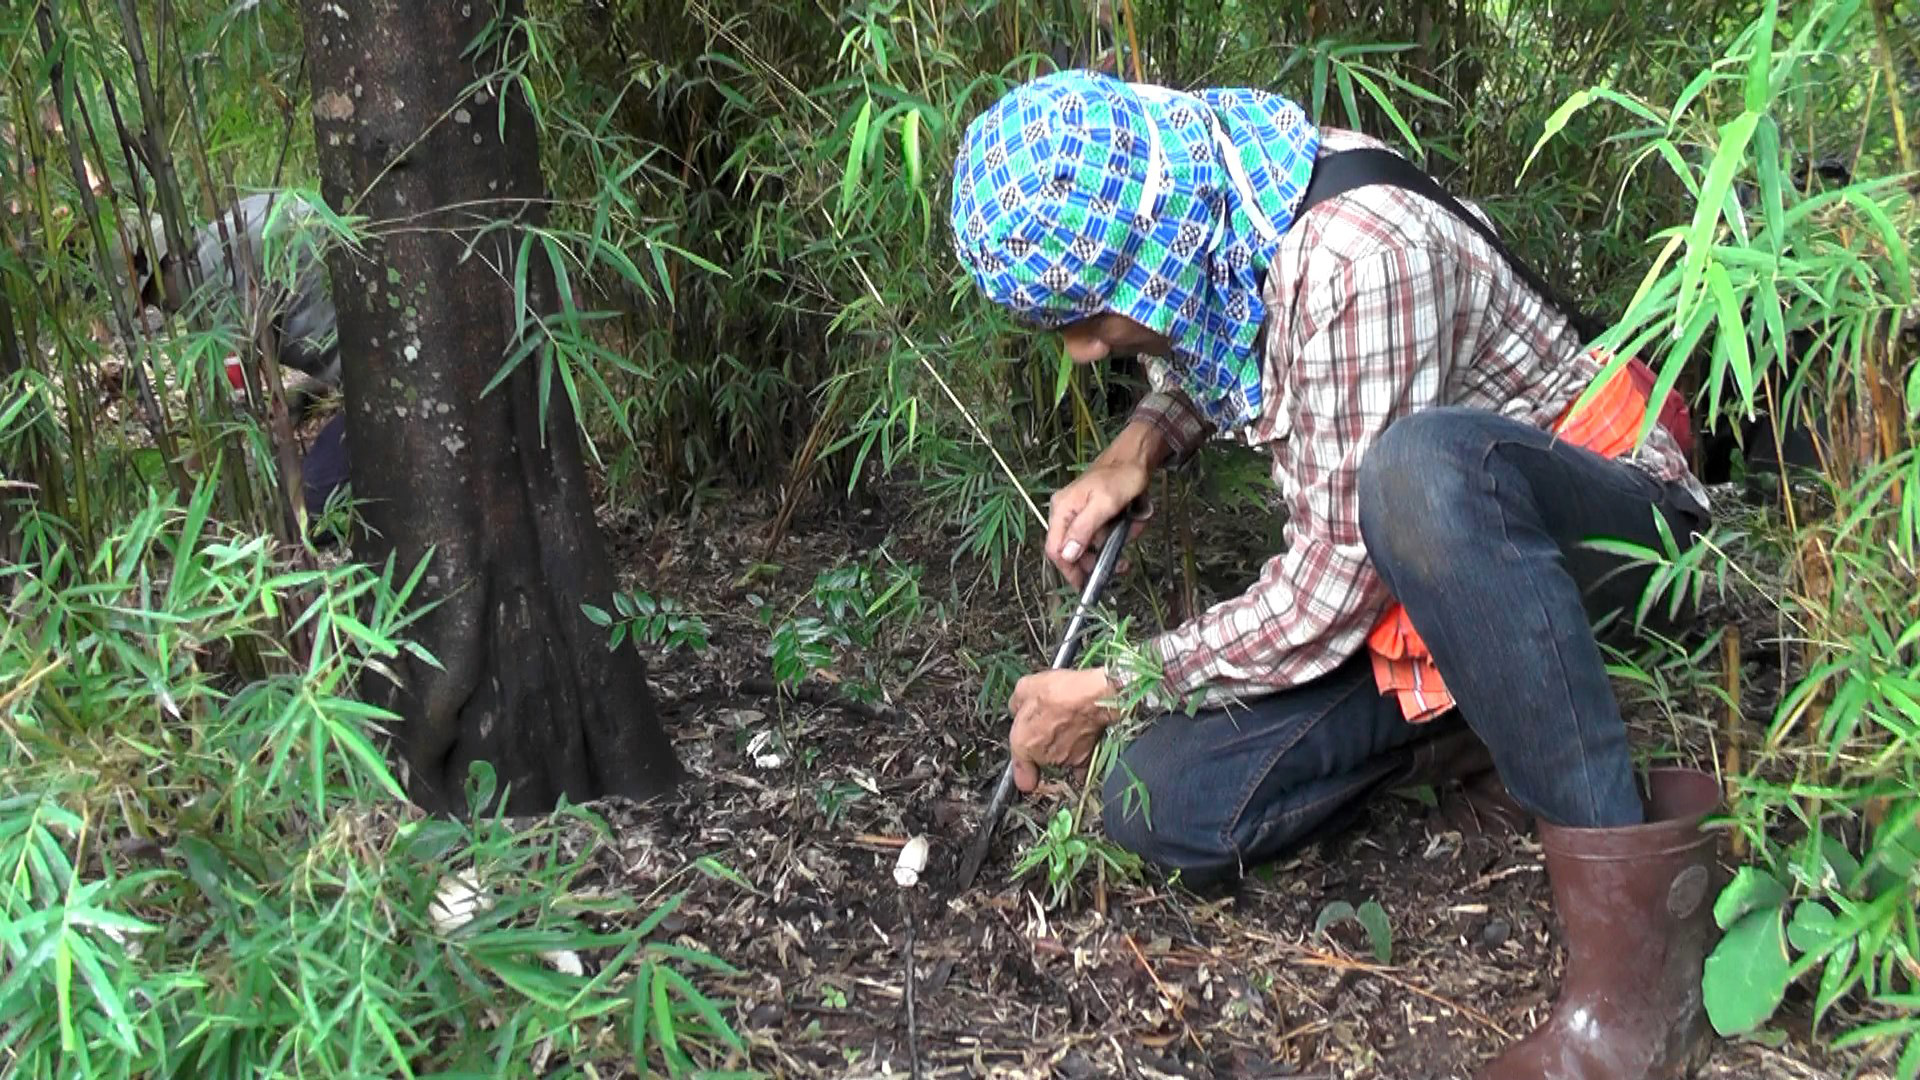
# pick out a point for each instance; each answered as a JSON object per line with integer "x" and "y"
{"x": 1077, "y": 194}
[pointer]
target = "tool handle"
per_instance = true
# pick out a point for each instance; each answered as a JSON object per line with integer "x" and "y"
{"x": 1103, "y": 569}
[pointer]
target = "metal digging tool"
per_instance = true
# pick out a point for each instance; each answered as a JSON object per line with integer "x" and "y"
{"x": 1069, "y": 649}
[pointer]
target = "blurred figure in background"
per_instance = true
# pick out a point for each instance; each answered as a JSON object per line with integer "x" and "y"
{"x": 257, "y": 261}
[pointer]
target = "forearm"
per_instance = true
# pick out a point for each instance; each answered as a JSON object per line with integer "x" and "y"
{"x": 1177, "y": 423}
{"x": 1141, "y": 444}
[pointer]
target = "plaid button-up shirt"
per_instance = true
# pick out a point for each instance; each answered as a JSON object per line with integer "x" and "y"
{"x": 1380, "y": 304}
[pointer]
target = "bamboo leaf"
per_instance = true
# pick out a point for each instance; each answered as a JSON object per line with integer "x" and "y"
{"x": 1556, "y": 122}
{"x": 910, "y": 147}
{"x": 1714, "y": 192}
{"x": 856, "y": 156}
{"x": 522, "y": 259}
{"x": 1760, "y": 65}
{"x": 1732, "y": 335}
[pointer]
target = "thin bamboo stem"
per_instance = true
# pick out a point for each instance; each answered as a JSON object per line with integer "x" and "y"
{"x": 54, "y": 47}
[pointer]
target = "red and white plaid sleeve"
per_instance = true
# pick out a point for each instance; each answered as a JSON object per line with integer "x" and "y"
{"x": 1369, "y": 344}
{"x": 1178, "y": 420}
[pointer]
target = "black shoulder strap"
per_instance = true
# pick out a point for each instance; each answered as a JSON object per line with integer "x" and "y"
{"x": 1339, "y": 173}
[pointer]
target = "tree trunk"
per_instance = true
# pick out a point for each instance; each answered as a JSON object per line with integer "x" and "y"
{"x": 499, "y": 499}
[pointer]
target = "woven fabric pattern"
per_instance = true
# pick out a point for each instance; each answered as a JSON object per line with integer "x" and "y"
{"x": 1077, "y": 194}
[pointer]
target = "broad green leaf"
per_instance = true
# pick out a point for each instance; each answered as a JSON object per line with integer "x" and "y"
{"x": 1751, "y": 889}
{"x": 1746, "y": 976}
{"x": 1332, "y": 913}
{"x": 1379, "y": 931}
{"x": 1812, "y": 928}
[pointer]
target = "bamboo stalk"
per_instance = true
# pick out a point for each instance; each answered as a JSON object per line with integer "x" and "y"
{"x": 1881, "y": 19}
{"x": 55, "y": 50}
{"x": 173, "y": 211}
{"x": 1133, "y": 40}
{"x": 1735, "y": 728}
{"x": 75, "y": 506}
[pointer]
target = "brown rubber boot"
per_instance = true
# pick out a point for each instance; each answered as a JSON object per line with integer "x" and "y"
{"x": 1636, "y": 906}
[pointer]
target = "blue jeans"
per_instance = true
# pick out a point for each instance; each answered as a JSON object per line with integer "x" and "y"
{"x": 1477, "y": 524}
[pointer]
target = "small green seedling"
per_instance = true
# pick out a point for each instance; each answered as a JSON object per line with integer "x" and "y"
{"x": 1371, "y": 917}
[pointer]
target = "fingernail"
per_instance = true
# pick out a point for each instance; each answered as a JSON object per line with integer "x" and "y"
{"x": 1071, "y": 551}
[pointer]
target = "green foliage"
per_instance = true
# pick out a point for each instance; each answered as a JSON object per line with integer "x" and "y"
{"x": 1066, "y": 847}
{"x": 1370, "y": 916}
{"x": 855, "y": 606}
{"x": 1064, "y": 853}
{"x": 751, "y": 285}
{"x": 801, "y": 647}
{"x": 210, "y": 873}
{"x": 1794, "y": 295}
{"x": 836, "y": 797}
{"x": 995, "y": 673}
{"x": 1747, "y": 974}
{"x": 660, "y": 621}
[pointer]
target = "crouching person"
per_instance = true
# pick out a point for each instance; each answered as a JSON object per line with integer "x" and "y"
{"x": 1430, "y": 620}
{"x": 235, "y": 274}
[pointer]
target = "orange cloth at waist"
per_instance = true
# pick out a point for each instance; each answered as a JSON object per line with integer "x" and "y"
{"x": 1607, "y": 425}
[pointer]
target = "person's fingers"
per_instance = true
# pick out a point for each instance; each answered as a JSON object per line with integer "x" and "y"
{"x": 1087, "y": 526}
{"x": 1025, "y": 776}
{"x": 1065, "y": 505}
{"x": 1026, "y": 770}
{"x": 1080, "y": 751}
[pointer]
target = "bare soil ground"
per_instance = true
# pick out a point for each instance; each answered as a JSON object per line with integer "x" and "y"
{"x": 846, "y": 974}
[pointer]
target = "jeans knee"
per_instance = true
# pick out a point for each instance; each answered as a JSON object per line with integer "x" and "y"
{"x": 1126, "y": 809}
{"x": 1415, "y": 484}
{"x": 1164, "y": 832}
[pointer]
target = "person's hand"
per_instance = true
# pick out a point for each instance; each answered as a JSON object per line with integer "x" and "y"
{"x": 1079, "y": 516}
{"x": 1057, "y": 720}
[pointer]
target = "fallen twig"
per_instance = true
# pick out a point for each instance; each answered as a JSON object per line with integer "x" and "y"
{"x": 913, "y": 1023}
{"x": 1317, "y": 958}
{"x": 1173, "y": 1004}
